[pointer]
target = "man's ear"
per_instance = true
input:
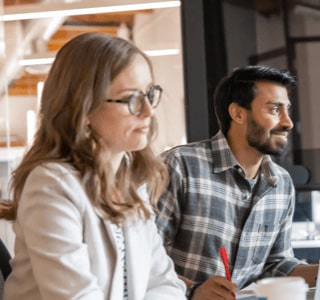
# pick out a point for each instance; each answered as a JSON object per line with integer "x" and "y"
{"x": 237, "y": 113}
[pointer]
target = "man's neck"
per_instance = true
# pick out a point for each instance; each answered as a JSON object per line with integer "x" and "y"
{"x": 248, "y": 157}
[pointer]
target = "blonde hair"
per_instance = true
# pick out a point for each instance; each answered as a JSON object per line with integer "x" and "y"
{"x": 77, "y": 82}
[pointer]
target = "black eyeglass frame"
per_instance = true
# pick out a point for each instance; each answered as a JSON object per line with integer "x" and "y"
{"x": 136, "y": 95}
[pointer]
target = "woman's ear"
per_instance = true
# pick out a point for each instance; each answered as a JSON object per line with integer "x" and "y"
{"x": 237, "y": 113}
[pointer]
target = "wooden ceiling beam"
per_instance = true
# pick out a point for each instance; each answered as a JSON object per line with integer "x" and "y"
{"x": 75, "y": 25}
{"x": 67, "y": 32}
{"x": 26, "y": 85}
{"x": 20, "y": 2}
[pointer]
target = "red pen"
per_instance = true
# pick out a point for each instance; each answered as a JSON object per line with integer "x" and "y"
{"x": 224, "y": 257}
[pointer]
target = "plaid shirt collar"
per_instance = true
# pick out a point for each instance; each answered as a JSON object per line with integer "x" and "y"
{"x": 223, "y": 159}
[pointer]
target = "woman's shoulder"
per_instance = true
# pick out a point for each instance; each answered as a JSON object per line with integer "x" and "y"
{"x": 59, "y": 170}
{"x": 57, "y": 167}
{"x": 56, "y": 181}
{"x": 54, "y": 175}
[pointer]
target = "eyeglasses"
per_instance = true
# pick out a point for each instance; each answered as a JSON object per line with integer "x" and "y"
{"x": 137, "y": 100}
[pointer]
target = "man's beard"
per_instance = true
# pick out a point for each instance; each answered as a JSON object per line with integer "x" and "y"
{"x": 259, "y": 138}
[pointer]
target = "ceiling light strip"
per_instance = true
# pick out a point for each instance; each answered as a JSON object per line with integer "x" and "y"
{"x": 49, "y": 60}
{"x": 36, "y": 61}
{"x": 163, "y": 52}
{"x": 73, "y": 9}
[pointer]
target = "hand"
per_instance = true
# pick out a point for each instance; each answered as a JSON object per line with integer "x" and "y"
{"x": 215, "y": 288}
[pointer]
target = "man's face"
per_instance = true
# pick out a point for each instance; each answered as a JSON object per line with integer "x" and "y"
{"x": 268, "y": 121}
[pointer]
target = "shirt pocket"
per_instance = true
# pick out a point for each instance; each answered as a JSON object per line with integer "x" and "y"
{"x": 263, "y": 242}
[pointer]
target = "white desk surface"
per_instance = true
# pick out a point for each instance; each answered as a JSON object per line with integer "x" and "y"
{"x": 306, "y": 244}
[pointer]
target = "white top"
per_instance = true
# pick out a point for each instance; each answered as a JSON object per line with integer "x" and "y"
{"x": 121, "y": 244}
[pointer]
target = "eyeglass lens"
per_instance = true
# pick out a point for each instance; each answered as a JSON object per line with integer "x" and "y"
{"x": 137, "y": 99}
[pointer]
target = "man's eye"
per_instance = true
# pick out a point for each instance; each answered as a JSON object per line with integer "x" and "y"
{"x": 275, "y": 110}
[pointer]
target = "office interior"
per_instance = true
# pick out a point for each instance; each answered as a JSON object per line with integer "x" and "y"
{"x": 192, "y": 45}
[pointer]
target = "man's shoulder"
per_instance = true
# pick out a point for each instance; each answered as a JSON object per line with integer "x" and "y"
{"x": 277, "y": 173}
{"x": 188, "y": 149}
{"x": 277, "y": 168}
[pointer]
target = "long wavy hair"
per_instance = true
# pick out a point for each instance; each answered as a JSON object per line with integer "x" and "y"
{"x": 81, "y": 74}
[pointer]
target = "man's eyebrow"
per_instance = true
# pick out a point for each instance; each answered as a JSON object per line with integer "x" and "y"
{"x": 279, "y": 103}
{"x": 287, "y": 107}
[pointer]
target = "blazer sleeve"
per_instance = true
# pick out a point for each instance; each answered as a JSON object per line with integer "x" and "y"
{"x": 50, "y": 217}
{"x": 164, "y": 283}
{"x": 152, "y": 262}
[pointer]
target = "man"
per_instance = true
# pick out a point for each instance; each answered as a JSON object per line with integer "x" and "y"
{"x": 227, "y": 192}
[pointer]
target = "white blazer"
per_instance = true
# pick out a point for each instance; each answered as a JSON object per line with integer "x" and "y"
{"x": 64, "y": 250}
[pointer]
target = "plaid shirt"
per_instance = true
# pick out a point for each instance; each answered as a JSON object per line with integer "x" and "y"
{"x": 210, "y": 204}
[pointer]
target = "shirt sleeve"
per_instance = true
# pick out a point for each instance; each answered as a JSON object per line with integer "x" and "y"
{"x": 281, "y": 260}
{"x": 169, "y": 216}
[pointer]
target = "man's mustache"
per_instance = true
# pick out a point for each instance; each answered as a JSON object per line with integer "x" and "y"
{"x": 280, "y": 130}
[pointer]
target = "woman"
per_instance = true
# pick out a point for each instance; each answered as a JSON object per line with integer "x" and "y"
{"x": 84, "y": 193}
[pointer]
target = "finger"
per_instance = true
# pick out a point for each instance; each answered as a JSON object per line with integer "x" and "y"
{"x": 221, "y": 292}
{"x": 224, "y": 282}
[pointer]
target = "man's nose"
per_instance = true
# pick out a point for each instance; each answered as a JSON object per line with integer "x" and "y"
{"x": 286, "y": 120}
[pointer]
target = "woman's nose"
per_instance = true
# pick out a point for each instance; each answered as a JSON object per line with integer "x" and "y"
{"x": 147, "y": 109}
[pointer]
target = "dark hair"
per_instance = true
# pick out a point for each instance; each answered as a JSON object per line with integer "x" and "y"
{"x": 239, "y": 87}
